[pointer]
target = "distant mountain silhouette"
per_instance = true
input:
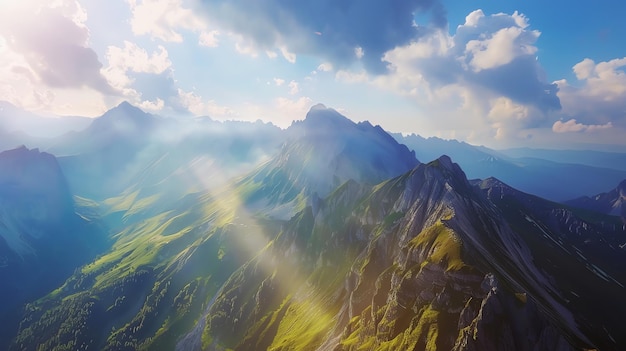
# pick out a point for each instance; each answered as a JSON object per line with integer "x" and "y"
{"x": 612, "y": 202}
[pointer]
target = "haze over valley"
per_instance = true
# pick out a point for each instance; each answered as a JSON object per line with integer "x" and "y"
{"x": 144, "y": 232}
{"x": 204, "y": 175}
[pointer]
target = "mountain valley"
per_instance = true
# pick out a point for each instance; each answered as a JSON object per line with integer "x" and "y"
{"x": 328, "y": 235}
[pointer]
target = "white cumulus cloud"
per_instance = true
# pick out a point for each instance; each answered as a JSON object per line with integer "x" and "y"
{"x": 168, "y": 20}
{"x": 294, "y": 87}
{"x": 599, "y": 96}
{"x": 152, "y": 106}
{"x": 327, "y": 29}
{"x": 209, "y": 39}
{"x": 573, "y": 126}
{"x": 325, "y": 67}
{"x": 132, "y": 59}
{"x": 198, "y": 106}
{"x": 289, "y": 56}
{"x": 163, "y": 19}
{"x": 45, "y": 53}
{"x": 485, "y": 82}
{"x": 500, "y": 48}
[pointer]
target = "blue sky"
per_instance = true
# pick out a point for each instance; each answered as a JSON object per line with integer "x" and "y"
{"x": 496, "y": 73}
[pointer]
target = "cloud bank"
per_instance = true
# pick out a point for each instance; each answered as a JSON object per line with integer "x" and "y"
{"x": 47, "y": 48}
{"x": 339, "y": 31}
{"x": 572, "y": 126}
{"x": 484, "y": 79}
{"x": 598, "y": 96}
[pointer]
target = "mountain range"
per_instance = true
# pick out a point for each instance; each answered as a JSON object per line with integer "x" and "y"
{"x": 167, "y": 234}
{"x": 612, "y": 202}
{"x": 558, "y": 175}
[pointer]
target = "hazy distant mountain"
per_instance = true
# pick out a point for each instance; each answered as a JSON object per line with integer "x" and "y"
{"x": 612, "y": 202}
{"x": 368, "y": 259}
{"x": 42, "y": 239}
{"x": 329, "y": 235}
{"x": 122, "y": 127}
{"x": 14, "y": 119}
{"x": 12, "y": 140}
{"x": 592, "y": 158}
{"x": 127, "y": 150}
{"x": 428, "y": 149}
{"x": 556, "y": 181}
{"x": 322, "y": 152}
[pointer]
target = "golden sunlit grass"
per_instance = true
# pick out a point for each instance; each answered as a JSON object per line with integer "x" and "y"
{"x": 422, "y": 336}
{"x": 303, "y": 326}
{"x": 443, "y": 246}
{"x": 165, "y": 241}
{"x": 122, "y": 202}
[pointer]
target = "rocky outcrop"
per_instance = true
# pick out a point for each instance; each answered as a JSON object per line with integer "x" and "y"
{"x": 397, "y": 267}
{"x": 424, "y": 286}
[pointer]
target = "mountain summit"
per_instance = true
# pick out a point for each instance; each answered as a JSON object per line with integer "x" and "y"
{"x": 334, "y": 149}
{"x": 322, "y": 152}
{"x": 122, "y": 119}
{"x": 325, "y": 119}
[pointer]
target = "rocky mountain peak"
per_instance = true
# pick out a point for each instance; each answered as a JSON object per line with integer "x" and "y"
{"x": 611, "y": 202}
{"x": 124, "y": 118}
{"x": 324, "y": 151}
{"x": 450, "y": 172}
{"x": 321, "y": 121}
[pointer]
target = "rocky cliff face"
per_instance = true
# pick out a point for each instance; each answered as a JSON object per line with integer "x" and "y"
{"x": 422, "y": 261}
{"x": 579, "y": 250}
{"x": 397, "y": 266}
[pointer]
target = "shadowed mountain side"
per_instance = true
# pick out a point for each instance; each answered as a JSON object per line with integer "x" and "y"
{"x": 42, "y": 239}
{"x": 613, "y": 160}
{"x": 421, "y": 261}
{"x": 581, "y": 250}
